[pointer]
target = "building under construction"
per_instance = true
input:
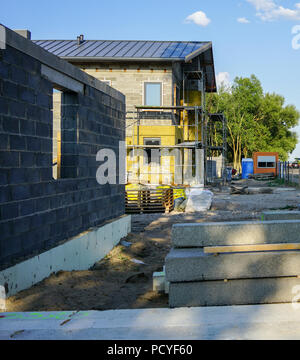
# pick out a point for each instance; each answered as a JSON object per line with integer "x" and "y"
{"x": 170, "y": 136}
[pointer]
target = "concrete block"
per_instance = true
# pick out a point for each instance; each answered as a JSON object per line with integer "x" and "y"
{"x": 27, "y": 95}
{"x": 17, "y": 142}
{"x": 4, "y": 70}
{"x": 194, "y": 264}
{"x": 43, "y": 100}
{"x": 159, "y": 281}
{"x": 9, "y": 159}
{"x": 17, "y": 176}
{"x": 10, "y": 90}
{"x": 280, "y": 215}
{"x": 4, "y": 143}
{"x": 27, "y": 159}
{"x": 25, "y": 33}
{"x": 235, "y": 233}
{"x": 4, "y": 176}
{"x": 160, "y": 284}
{"x": 5, "y": 194}
{"x": 9, "y": 211}
{"x": 19, "y": 75}
{"x": 26, "y": 207}
{"x": 233, "y": 292}
{"x": 34, "y": 144}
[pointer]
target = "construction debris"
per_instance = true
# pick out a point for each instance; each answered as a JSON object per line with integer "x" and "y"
{"x": 238, "y": 190}
{"x": 199, "y": 200}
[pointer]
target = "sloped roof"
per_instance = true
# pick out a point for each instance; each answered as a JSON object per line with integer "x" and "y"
{"x": 132, "y": 50}
{"x": 161, "y": 50}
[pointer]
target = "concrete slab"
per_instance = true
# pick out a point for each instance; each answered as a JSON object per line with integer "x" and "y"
{"x": 194, "y": 264}
{"x": 234, "y": 292}
{"x": 261, "y": 322}
{"x": 235, "y": 233}
{"x": 280, "y": 215}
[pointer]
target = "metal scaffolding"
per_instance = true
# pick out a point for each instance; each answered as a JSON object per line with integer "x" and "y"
{"x": 216, "y": 144}
{"x": 203, "y": 127}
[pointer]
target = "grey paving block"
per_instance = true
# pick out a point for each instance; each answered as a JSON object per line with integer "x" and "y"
{"x": 194, "y": 264}
{"x": 235, "y": 233}
{"x": 280, "y": 215}
{"x": 233, "y": 292}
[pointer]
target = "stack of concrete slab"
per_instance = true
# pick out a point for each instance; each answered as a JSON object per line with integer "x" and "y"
{"x": 215, "y": 264}
{"x": 280, "y": 215}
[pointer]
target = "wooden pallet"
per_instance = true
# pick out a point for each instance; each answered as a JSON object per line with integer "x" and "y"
{"x": 267, "y": 176}
{"x": 149, "y": 201}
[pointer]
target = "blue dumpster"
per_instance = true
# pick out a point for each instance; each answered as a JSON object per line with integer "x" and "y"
{"x": 247, "y": 168}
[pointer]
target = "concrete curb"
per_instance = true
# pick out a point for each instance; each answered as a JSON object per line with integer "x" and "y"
{"x": 235, "y": 233}
{"x": 280, "y": 215}
{"x": 193, "y": 265}
{"x": 233, "y": 292}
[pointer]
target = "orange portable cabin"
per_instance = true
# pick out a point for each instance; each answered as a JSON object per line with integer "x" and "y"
{"x": 265, "y": 162}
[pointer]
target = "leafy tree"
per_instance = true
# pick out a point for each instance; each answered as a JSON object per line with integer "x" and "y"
{"x": 256, "y": 121}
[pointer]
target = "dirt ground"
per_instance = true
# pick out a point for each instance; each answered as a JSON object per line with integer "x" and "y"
{"x": 116, "y": 282}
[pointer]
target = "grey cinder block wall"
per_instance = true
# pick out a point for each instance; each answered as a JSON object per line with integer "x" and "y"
{"x": 36, "y": 211}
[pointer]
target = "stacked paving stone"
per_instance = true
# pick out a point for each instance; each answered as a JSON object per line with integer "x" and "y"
{"x": 198, "y": 278}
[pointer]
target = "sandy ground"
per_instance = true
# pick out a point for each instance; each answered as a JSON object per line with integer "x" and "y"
{"x": 118, "y": 283}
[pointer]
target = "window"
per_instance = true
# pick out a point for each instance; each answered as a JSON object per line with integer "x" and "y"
{"x": 64, "y": 134}
{"x": 267, "y": 165}
{"x": 153, "y": 154}
{"x": 153, "y": 94}
{"x": 266, "y": 162}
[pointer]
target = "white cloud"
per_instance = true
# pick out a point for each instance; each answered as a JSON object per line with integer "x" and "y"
{"x": 198, "y": 18}
{"x": 223, "y": 79}
{"x": 243, "y": 20}
{"x": 269, "y": 10}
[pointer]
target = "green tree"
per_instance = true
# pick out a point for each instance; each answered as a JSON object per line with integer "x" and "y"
{"x": 256, "y": 121}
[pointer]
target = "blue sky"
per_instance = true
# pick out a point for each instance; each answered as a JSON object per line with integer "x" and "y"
{"x": 249, "y": 36}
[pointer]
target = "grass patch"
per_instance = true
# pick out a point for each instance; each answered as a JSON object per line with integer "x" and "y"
{"x": 281, "y": 182}
{"x": 286, "y": 208}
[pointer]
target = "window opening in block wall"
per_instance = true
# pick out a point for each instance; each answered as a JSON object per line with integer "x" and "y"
{"x": 56, "y": 134}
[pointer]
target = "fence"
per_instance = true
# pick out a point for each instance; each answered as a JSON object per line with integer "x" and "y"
{"x": 288, "y": 172}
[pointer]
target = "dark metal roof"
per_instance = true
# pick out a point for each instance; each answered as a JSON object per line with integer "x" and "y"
{"x": 131, "y": 50}
{"x": 108, "y": 49}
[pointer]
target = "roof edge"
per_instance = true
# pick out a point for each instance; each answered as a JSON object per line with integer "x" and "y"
{"x": 117, "y": 59}
{"x": 197, "y": 52}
